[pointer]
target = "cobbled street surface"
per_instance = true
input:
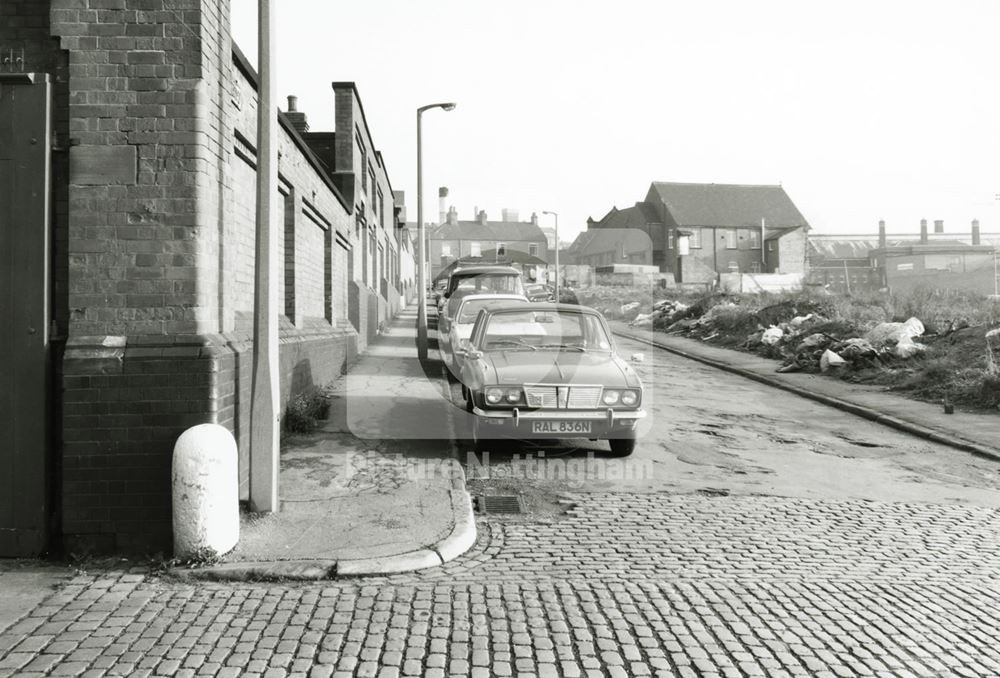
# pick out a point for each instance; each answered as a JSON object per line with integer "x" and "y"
{"x": 620, "y": 585}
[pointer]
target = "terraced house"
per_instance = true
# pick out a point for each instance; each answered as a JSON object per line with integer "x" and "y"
{"x": 127, "y": 162}
{"x": 731, "y": 228}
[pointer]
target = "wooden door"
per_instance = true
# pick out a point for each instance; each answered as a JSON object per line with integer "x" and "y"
{"x": 24, "y": 313}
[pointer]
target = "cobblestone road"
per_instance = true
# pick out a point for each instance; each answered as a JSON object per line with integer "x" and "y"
{"x": 622, "y": 584}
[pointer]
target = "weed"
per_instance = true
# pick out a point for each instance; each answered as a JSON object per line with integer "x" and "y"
{"x": 306, "y": 410}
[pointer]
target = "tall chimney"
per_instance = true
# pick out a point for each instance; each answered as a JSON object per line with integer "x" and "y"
{"x": 442, "y": 212}
{"x": 923, "y": 231}
{"x": 881, "y": 234}
{"x": 975, "y": 232}
{"x": 939, "y": 225}
{"x": 297, "y": 118}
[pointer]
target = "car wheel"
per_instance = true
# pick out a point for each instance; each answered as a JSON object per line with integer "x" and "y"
{"x": 622, "y": 447}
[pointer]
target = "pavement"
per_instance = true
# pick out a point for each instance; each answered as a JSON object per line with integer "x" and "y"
{"x": 974, "y": 432}
{"x": 376, "y": 489}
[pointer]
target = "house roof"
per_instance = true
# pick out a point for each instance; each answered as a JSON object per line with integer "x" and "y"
{"x": 598, "y": 240}
{"x": 637, "y": 216}
{"x": 729, "y": 205}
{"x": 500, "y": 231}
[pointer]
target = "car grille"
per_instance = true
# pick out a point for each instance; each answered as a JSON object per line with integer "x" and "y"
{"x": 579, "y": 397}
{"x": 584, "y": 397}
{"x": 540, "y": 396}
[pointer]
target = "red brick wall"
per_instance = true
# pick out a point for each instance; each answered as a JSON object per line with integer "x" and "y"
{"x": 160, "y": 252}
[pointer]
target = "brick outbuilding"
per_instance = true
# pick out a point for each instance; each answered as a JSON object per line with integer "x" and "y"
{"x": 146, "y": 228}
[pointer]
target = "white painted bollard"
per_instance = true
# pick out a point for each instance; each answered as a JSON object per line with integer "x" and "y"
{"x": 206, "y": 493}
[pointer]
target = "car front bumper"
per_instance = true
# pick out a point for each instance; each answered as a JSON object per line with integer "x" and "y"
{"x": 525, "y": 425}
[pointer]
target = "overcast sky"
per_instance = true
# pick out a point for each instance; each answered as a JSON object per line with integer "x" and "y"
{"x": 862, "y": 110}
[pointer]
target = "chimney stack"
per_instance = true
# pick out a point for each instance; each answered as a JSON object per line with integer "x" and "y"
{"x": 442, "y": 212}
{"x": 975, "y": 232}
{"x": 481, "y": 218}
{"x": 939, "y": 225}
{"x": 881, "y": 234}
{"x": 452, "y": 216}
{"x": 297, "y": 118}
{"x": 534, "y": 219}
{"x": 923, "y": 231}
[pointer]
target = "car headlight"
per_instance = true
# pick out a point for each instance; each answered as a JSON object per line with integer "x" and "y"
{"x": 630, "y": 398}
{"x": 513, "y": 395}
{"x": 611, "y": 397}
{"x": 494, "y": 395}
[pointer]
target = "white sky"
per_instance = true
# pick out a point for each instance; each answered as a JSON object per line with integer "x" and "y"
{"x": 863, "y": 110}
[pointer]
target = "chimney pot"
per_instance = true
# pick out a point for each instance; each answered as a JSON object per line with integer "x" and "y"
{"x": 881, "y": 234}
{"x": 293, "y": 103}
{"x": 923, "y": 231}
{"x": 939, "y": 226}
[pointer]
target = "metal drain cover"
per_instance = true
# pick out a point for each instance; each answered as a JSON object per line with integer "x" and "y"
{"x": 499, "y": 503}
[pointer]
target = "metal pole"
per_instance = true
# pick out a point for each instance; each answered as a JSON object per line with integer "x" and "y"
{"x": 421, "y": 251}
{"x": 556, "y": 277}
{"x": 557, "y": 256}
{"x": 264, "y": 414}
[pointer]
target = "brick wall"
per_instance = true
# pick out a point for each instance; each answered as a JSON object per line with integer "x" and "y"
{"x": 160, "y": 242}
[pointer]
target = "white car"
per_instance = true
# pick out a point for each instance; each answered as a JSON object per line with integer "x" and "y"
{"x": 460, "y": 325}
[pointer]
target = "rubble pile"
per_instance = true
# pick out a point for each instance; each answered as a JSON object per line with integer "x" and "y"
{"x": 800, "y": 334}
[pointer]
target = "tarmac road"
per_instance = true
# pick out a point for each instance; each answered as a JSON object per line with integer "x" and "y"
{"x": 713, "y": 432}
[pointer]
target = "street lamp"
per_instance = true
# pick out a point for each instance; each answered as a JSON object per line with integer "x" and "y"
{"x": 556, "y": 215}
{"x": 421, "y": 248}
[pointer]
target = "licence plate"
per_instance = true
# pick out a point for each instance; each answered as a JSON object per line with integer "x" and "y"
{"x": 560, "y": 427}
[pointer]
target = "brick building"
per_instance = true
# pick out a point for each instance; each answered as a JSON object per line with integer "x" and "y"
{"x": 732, "y": 227}
{"x": 131, "y": 126}
{"x": 456, "y": 239}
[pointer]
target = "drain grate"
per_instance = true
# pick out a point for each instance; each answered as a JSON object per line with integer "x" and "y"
{"x": 499, "y": 503}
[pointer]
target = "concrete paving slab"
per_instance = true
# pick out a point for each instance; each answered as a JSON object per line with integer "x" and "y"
{"x": 372, "y": 491}
{"x": 25, "y": 585}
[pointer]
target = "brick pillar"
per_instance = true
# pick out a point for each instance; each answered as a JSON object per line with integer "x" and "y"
{"x": 147, "y": 83}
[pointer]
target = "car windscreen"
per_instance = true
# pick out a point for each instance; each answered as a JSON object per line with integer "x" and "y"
{"x": 470, "y": 309}
{"x": 545, "y": 330}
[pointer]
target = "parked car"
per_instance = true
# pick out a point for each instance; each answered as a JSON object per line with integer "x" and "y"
{"x": 543, "y": 292}
{"x": 460, "y": 327}
{"x": 542, "y": 370}
{"x": 476, "y": 279}
{"x": 539, "y": 292}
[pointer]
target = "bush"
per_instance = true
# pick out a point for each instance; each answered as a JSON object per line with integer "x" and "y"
{"x": 305, "y": 411}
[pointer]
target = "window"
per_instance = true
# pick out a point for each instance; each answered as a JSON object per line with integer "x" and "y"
{"x": 446, "y": 249}
{"x": 695, "y": 241}
{"x": 475, "y": 249}
{"x": 533, "y": 249}
{"x": 380, "y": 207}
{"x": 670, "y": 239}
{"x": 730, "y": 236}
{"x": 770, "y": 245}
{"x": 755, "y": 267}
{"x": 754, "y": 239}
{"x": 371, "y": 176}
